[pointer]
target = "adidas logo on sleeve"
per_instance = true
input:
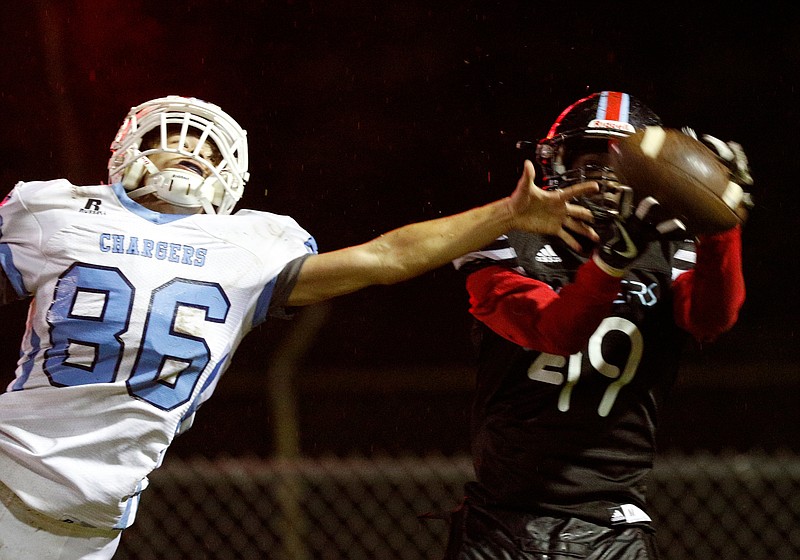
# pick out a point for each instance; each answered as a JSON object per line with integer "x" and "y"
{"x": 547, "y": 255}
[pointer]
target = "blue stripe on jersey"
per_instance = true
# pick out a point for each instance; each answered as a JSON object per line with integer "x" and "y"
{"x": 262, "y": 305}
{"x": 141, "y": 211}
{"x": 27, "y": 365}
{"x": 311, "y": 245}
{"x": 14, "y": 275}
{"x": 223, "y": 360}
{"x": 200, "y": 398}
{"x": 130, "y": 509}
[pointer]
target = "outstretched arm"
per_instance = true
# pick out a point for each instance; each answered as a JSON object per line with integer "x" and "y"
{"x": 415, "y": 249}
{"x": 708, "y": 298}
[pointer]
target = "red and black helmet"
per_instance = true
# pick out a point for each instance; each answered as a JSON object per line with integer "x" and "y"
{"x": 586, "y": 126}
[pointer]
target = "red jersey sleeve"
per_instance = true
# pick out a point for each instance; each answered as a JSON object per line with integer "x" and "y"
{"x": 708, "y": 298}
{"x": 530, "y": 313}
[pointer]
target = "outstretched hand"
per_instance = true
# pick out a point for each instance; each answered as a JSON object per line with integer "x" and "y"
{"x": 536, "y": 210}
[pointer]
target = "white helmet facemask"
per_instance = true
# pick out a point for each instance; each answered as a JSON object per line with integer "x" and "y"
{"x": 217, "y": 185}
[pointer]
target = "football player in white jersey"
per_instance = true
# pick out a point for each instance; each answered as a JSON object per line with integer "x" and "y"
{"x": 141, "y": 291}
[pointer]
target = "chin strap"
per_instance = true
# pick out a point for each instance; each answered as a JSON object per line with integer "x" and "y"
{"x": 136, "y": 170}
{"x": 179, "y": 188}
{"x": 141, "y": 191}
{"x": 174, "y": 186}
{"x": 207, "y": 207}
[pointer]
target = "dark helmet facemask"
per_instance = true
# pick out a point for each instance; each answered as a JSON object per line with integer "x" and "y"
{"x": 613, "y": 200}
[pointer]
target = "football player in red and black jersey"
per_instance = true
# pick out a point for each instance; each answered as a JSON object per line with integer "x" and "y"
{"x": 577, "y": 353}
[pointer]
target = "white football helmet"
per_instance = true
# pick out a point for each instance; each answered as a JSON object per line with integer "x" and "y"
{"x": 217, "y": 193}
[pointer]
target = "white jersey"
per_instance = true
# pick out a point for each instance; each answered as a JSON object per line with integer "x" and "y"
{"x": 135, "y": 316}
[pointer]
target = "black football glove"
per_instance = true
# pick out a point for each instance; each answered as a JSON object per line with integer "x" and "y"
{"x": 623, "y": 240}
{"x": 732, "y": 156}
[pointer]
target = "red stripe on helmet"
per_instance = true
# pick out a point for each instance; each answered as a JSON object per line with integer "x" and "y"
{"x": 614, "y": 99}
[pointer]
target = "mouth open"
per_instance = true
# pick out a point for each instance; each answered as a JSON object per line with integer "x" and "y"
{"x": 191, "y": 166}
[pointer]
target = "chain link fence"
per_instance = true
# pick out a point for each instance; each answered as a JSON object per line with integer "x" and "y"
{"x": 732, "y": 507}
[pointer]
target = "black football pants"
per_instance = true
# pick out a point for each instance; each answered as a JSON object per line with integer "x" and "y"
{"x": 478, "y": 533}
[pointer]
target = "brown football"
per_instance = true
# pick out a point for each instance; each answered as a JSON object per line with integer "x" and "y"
{"x": 684, "y": 175}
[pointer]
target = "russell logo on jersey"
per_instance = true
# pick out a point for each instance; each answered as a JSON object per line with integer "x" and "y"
{"x": 92, "y": 206}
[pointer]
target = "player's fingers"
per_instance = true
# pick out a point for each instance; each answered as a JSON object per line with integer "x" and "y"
{"x": 528, "y": 171}
{"x": 672, "y": 229}
{"x": 580, "y": 227}
{"x": 526, "y": 179}
{"x": 581, "y": 189}
{"x": 569, "y": 240}
{"x": 579, "y": 212}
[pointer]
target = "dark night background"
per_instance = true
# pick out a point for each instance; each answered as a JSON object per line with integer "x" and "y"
{"x": 364, "y": 116}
